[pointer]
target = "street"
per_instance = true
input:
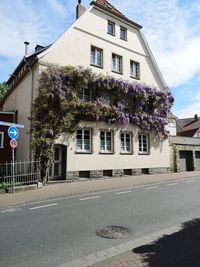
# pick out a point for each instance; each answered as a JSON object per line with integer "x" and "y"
{"x": 55, "y": 232}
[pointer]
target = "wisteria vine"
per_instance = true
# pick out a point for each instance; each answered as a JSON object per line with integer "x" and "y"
{"x": 58, "y": 108}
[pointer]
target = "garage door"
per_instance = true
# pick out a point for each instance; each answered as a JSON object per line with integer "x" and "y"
{"x": 186, "y": 161}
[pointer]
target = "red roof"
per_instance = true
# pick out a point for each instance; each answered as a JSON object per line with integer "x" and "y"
{"x": 188, "y": 126}
{"x": 110, "y": 7}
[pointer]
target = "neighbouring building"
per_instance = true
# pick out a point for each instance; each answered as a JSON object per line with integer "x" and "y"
{"x": 185, "y": 147}
{"x": 5, "y": 149}
{"x": 108, "y": 43}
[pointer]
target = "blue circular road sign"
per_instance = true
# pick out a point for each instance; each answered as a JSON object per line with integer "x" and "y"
{"x": 13, "y": 132}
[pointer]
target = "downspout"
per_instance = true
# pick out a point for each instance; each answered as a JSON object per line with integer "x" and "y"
{"x": 31, "y": 111}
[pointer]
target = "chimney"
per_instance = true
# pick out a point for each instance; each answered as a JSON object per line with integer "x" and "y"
{"x": 26, "y": 47}
{"x": 80, "y": 9}
{"x": 196, "y": 117}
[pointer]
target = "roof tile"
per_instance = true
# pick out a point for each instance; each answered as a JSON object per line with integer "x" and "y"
{"x": 110, "y": 7}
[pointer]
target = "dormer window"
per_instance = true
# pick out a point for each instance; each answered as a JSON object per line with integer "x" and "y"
{"x": 123, "y": 33}
{"x": 111, "y": 28}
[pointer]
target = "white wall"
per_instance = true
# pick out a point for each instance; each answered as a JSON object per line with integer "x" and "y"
{"x": 20, "y": 100}
{"x": 158, "y": 157}
{"x": 73, "y": 47}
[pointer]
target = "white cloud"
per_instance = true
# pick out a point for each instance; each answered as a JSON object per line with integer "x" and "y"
{"x": 189, "y": 110}
{"x": 172, "y": 29}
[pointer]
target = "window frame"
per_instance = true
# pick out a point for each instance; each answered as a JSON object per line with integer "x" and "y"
{"x": 106, "y": 151}
{"x": 142, "y": 151}
{"x": 115, "y": 56}
{"x": 113, "y": 27}
{"x": 125, "y": 31}
{"x": 125, "y": 152}
{"x": 82, "y": 150}
{"x": 94, "y": 64}
{"x": 137, "y": 64}
{"x": 82, "y": 95}
{"x": 1, "y": 139}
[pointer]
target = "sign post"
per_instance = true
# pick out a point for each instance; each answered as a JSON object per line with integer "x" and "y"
{"x": 13, "y": 133}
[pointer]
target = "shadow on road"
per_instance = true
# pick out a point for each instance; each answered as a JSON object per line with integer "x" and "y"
{"x": 181, "y": 249}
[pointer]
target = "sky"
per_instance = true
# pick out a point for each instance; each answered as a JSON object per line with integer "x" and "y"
{"x": 171, "y": 27}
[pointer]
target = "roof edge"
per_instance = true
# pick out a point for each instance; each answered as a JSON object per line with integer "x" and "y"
{"x": 138, "y": 26}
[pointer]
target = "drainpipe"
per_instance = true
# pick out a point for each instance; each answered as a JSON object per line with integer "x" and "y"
{"x": 32, "y": 88}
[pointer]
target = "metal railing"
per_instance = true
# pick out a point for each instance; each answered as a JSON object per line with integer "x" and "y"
{"x": 17, "y": 174}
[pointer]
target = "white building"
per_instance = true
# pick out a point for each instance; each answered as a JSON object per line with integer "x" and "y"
{"x": 103, "y": 39}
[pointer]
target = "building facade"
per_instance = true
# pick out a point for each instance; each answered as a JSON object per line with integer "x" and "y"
{"x": 108, "y": 43}
{"x": 5, "y": 149}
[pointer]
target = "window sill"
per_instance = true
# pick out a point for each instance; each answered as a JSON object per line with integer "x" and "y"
{"x": 121, "y": 73}
{"x": 123, "y": 39}
{"x": 112, "y": 34}
{"x": 135, "y": 78}
{"x": 97, "y": 66}
{"x": 143, "y": 153}
{"x": 83, "y": 152}
{"x": 106, "y": 153}
{"x": 126, "y": 153}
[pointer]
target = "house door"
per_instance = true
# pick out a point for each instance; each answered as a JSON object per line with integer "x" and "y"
{"x": 55, "y": 171}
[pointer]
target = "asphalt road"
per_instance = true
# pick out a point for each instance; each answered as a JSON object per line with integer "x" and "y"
{"x": 54, "y": 232}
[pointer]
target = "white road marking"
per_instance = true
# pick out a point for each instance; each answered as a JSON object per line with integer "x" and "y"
{"x": 172, "y": 184}
{"x": 88, "y": 198}
{"x": 10, "y": 210}
{"x": 152, "y": 187}
{"x": 189, "y": 181}
{"x": 44, "y": 206}
{"x": 124, "y": 192}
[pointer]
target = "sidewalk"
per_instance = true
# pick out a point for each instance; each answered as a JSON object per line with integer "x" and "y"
{"x": 179, "y": 249}
{"x": 77, "y": 188}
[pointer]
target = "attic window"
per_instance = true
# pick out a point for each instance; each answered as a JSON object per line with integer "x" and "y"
{"x": 111, "y": 28}
{"x": 123, "y": 33}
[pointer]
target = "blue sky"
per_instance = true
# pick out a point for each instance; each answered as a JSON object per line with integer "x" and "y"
{"x": 172, "y": 29}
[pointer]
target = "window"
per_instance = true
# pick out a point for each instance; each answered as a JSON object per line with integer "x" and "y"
{"x": 123, "y": 33}
{"x": 111, "y": 28}
{"x": 96, "y": 57}
{"x": 116, "y": 63}
{"x": 106, "y": 140}
{"x": 134, "y": 69}
{"x": 83, "y": 140}
{"x": 85, "y": 95}
{"x": 143, "y": 143}
{"x": 1, "y": 140}
{"x": 126, "y": 143}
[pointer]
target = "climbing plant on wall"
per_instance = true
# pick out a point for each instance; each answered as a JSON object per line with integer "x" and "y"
{"x": 58, "y": 107}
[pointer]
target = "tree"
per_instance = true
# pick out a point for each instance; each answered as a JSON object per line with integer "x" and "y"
{"x": 4, "y": 87}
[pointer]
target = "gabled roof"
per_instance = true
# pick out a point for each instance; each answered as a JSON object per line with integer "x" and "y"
{"x": 110, "y": 7}
{"x": 188, "y": 126}
{"x": 105, "y": 5}
{"x": 26, "y": 60}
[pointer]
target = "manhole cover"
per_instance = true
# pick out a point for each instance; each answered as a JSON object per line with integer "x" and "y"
{"x": 113, "y": 232}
